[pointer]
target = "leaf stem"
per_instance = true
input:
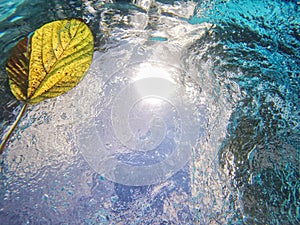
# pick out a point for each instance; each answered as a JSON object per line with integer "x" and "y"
{"x": 12, "y": 128}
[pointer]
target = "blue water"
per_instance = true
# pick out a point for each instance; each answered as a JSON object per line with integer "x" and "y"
{"x": 253, "y": 48}
{"x": 259, "y": 43}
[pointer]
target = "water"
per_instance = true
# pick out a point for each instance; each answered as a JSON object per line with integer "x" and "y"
{"x": 236, "y": 65}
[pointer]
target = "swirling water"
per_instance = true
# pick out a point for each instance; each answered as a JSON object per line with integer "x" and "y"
{"x": 240, "y": 60}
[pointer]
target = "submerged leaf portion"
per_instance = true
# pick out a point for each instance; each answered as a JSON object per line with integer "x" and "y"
{"x": 51, "y": 62}
{"x": 18, "y": 69}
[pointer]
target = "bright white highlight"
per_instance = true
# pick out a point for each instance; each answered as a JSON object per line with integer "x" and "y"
{"x": 157, "y": 83}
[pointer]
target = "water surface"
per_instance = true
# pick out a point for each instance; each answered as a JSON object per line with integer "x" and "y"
{"x": 237, "y": 65}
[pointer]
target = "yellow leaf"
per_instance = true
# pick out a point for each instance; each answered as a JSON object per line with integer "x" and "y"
{"x": 49, "y": 63}
{"x": 52, "y": 61}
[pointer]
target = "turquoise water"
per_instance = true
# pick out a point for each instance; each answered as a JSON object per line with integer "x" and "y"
{"x": 261, "y": 40}
{"x": 245, "y": 166}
